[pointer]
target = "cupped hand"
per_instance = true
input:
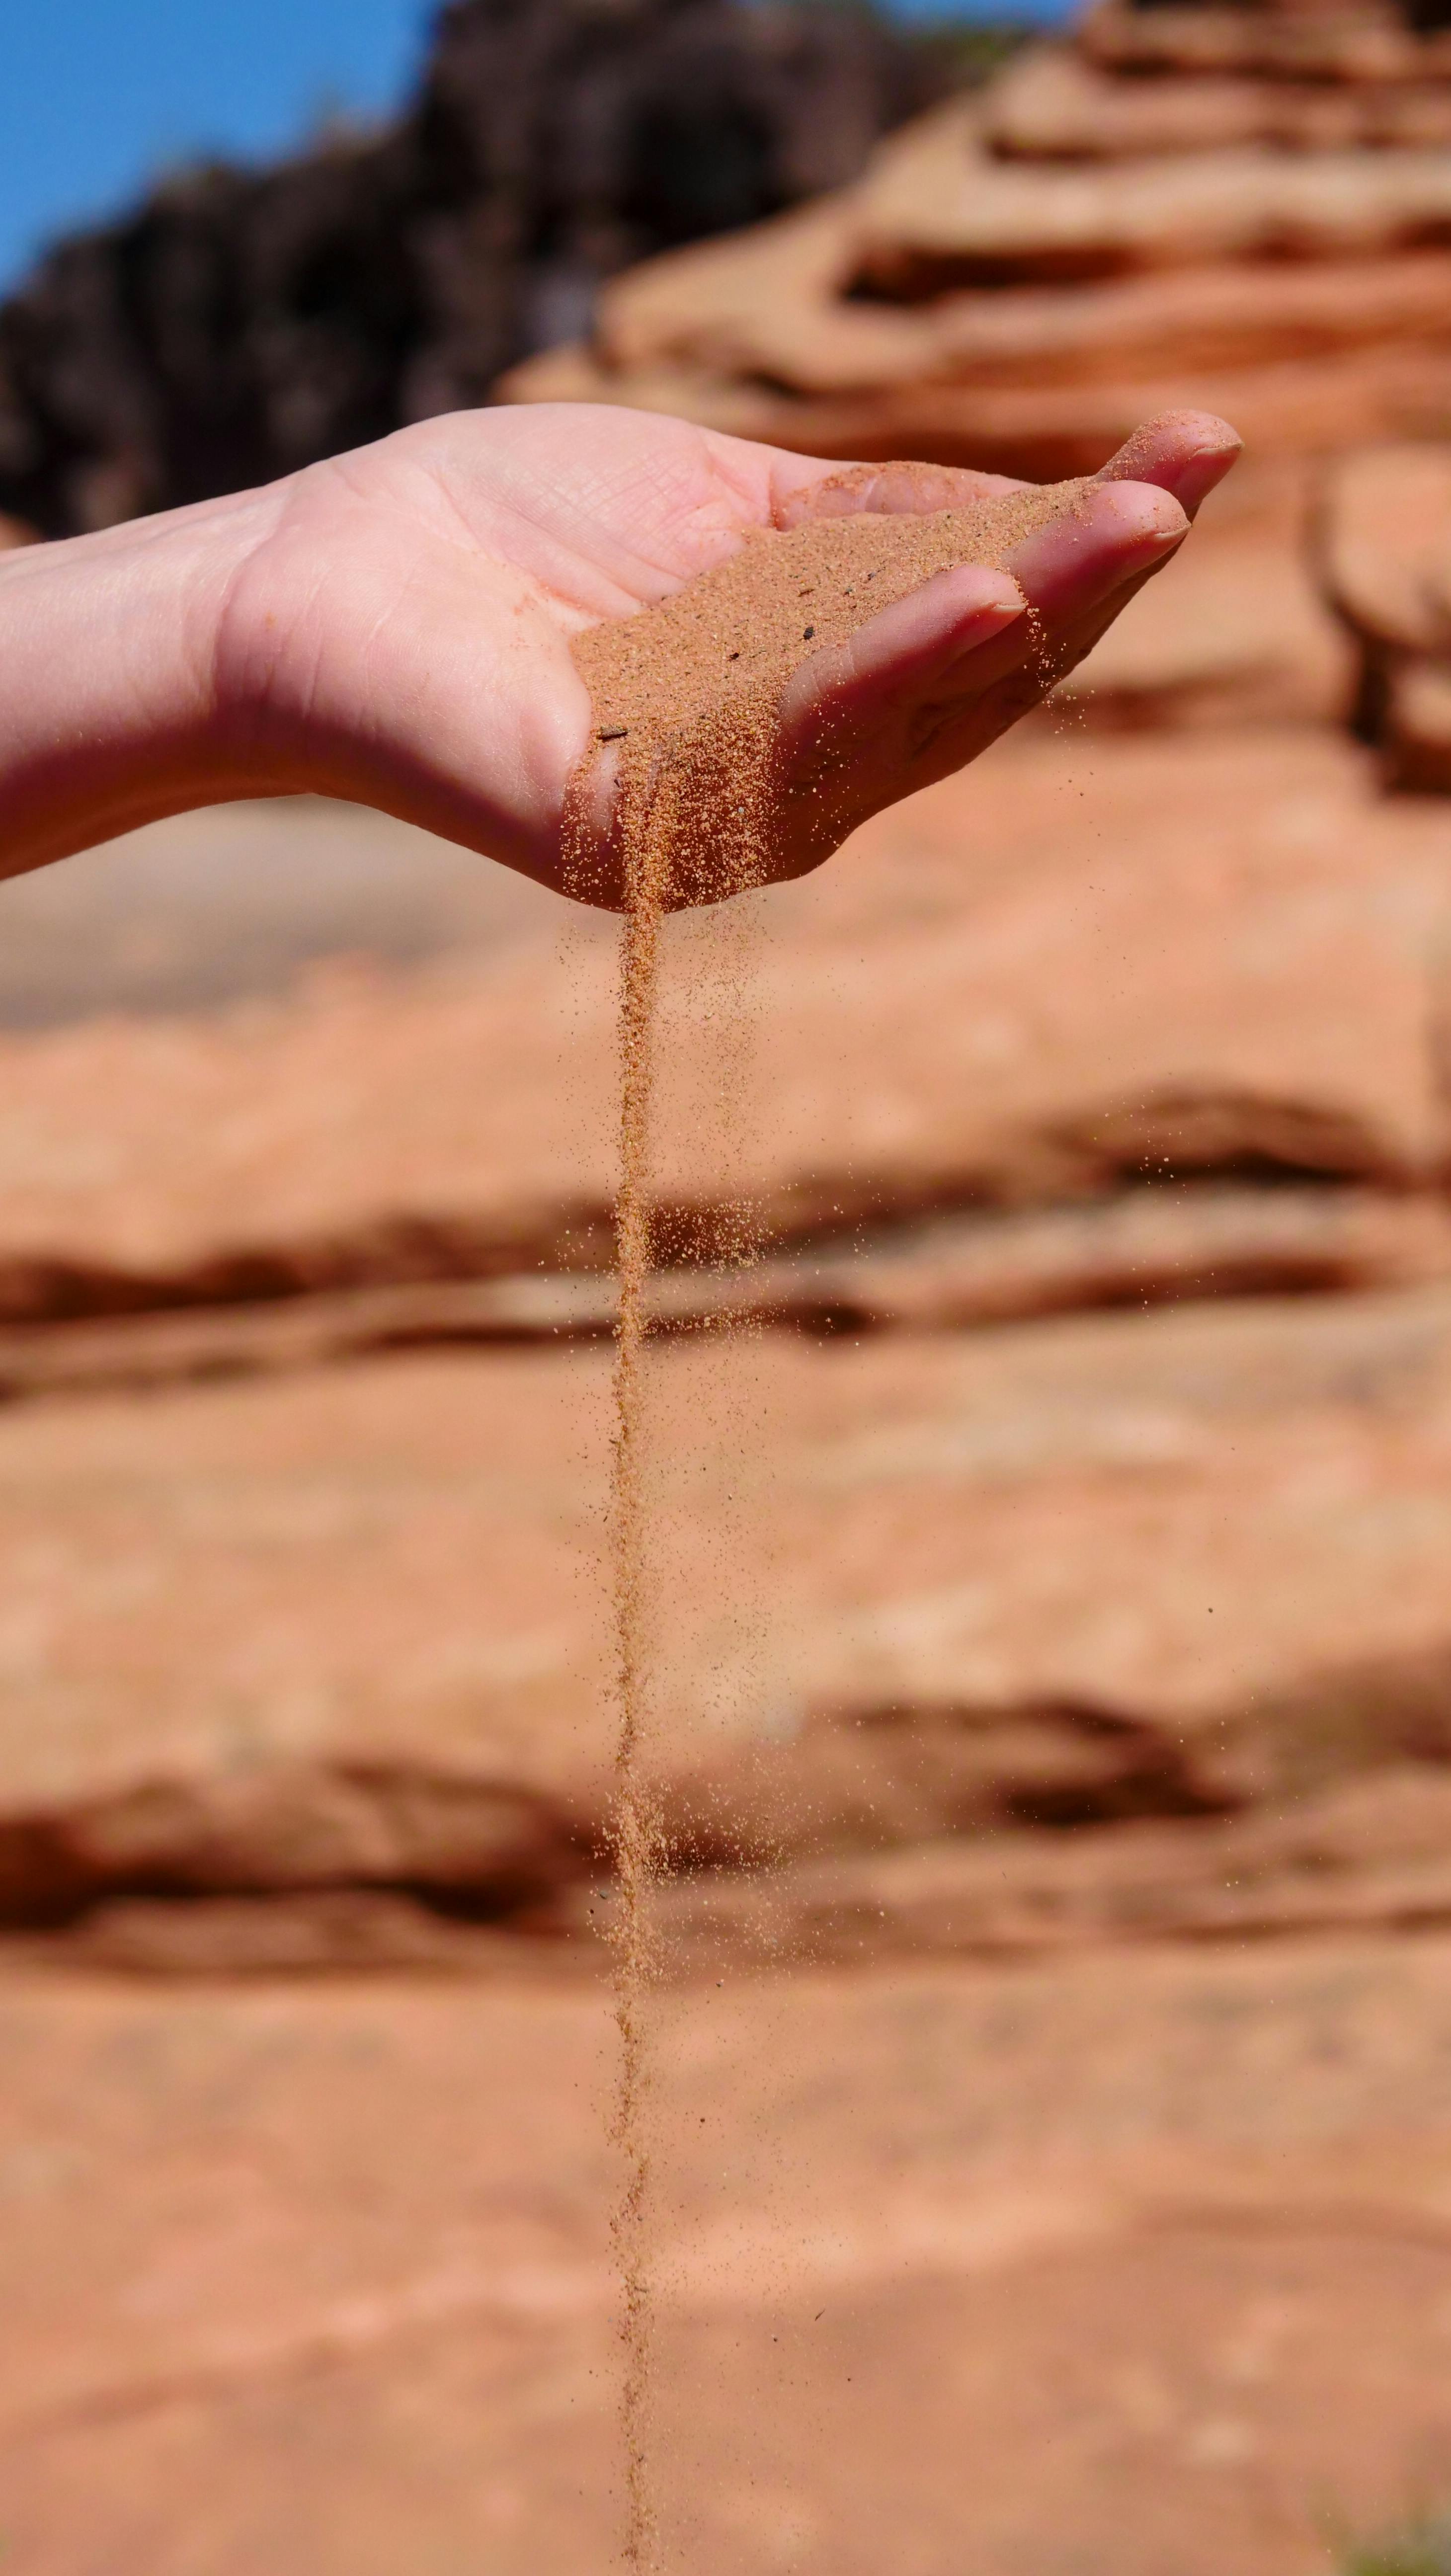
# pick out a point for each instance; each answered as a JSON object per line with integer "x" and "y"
{"x": 398, "y": 630}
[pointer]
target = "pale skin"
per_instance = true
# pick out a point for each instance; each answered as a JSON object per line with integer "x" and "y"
{"x": 393, "y": 627}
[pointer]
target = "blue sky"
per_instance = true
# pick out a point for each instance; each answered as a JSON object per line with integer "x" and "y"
{"x": 97, "y": 95}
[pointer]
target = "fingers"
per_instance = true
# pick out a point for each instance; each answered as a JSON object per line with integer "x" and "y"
{"x": 962, "y": 630}
{"x": 1126, "y": 522}
{"x": 930, "y": 681}
{"x": 1184, "y": 452}
{"x": 1118, "y": 532}
{"x": 913, "y": 645}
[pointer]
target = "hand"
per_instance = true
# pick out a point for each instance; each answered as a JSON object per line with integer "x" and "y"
{"x": 393, "y": 627}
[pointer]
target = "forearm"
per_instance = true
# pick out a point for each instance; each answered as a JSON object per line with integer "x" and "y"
{"x": 109, "y": 708}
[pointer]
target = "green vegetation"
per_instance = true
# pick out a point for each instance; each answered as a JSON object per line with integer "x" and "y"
{"x": 967, "y": 50}
{"x": 1417, "y": 2549}
{"x": 957, "y": 51}
{"x": 957, "y": 47}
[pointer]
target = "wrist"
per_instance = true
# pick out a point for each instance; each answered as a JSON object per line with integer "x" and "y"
{"x": 110, "y": 710}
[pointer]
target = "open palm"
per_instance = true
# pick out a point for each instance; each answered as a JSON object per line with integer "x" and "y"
{"x": 398, "y": 632}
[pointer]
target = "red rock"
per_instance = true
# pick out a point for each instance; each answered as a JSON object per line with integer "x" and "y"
{"x": 1069, "y": 966}
{"x": 1353, "y": 45}
{"x": 1135, "y": 1249}
{"x": 1383, "y": 553}
{"x": 294, "y": 1636}
{"x": 1245, "y": 211}
{"x": 1044, "y": 432}
{"x": 771, "y": 310}
{"x": 1053, "y": 102}
{"x": 1384, "y": 530}
{"x": 936, "y": 209}
{"x": 748, "y": 300}
{"x": 1012, "y": 2264}
{"x": 1138, "y": 1248}
{"x": 1369, "y": 1854}
{"x": 1418, "y": 728}
{"x": 1204, "y": 320}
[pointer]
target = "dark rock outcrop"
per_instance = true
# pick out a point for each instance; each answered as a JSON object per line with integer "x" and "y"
{"x": 240, "y": 323}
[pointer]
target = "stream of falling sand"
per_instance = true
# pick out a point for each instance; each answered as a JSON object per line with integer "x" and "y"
{"x": 635, "y": 1821}
{"x": 653, "y": 838}
{"x": 689, "y": 691}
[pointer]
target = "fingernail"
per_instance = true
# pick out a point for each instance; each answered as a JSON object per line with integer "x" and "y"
{"x": 993, "y": 618}
{"x": 1008, "y": 604}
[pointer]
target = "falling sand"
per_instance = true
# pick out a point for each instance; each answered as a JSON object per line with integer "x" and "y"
{"x": 685, "y": 697}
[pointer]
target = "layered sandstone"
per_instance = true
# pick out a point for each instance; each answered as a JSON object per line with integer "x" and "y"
{"x": 1215, "y": 958}
{"x": 1055, "y": 1706}
{"x": 1160, "y": 1025}
{"x": 351, "y": 1632}
{"x": 1247, "y": 209}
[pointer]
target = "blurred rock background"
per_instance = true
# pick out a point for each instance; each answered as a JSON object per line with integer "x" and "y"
{"x": 240, "y": 323}
{"x": 1053, "y": 1521}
